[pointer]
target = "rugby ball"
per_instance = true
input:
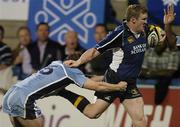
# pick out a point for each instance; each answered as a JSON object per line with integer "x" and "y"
{"x": 155, "y": 35}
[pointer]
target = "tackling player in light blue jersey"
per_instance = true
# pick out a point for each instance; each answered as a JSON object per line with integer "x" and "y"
{"x": 19, "y": 101}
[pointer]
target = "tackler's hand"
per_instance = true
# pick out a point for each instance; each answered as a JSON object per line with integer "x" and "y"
{"x": 71, "y": 63}
{"x": 122, "y": 85}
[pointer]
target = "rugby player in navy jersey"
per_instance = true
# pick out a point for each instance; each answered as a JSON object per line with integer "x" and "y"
{"x": 20, "y": 100}
{"x": 128, "y": 42}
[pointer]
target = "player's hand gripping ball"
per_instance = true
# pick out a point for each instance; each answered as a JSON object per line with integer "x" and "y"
{"x": 155, "y": 35}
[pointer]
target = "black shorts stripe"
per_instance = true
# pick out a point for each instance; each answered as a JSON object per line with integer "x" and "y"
{"x": 30, "y": 112}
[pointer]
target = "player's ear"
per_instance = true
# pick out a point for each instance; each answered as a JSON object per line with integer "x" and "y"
{"x": 133, "y": 20}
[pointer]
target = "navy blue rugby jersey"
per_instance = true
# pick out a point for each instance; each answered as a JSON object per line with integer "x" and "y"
{"x": 128, "y": 51}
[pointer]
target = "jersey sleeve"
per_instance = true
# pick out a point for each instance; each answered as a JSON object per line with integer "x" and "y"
{"x": 76, "y": 76}
{"x": 81, "y": 79}
{"x": 178, "y": 40}
{"x": 112, "y": 40}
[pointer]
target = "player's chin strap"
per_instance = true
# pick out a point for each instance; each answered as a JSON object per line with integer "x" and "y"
{"x": 17, "y": 123}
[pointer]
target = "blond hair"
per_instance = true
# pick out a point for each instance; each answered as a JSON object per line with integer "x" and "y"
{"x": 134, "y": 11}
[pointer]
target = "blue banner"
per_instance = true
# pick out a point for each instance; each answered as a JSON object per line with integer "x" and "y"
{"x": 62, "y": 15}
{"x": 156, "y": 10}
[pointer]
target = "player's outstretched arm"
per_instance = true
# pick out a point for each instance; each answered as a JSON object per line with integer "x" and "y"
{"x": 169, "y": 16}
{"x": 105, "y": 87}
{"x": 85, "y": 57}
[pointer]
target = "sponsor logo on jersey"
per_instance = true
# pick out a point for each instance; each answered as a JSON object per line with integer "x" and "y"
{"x": 131, "y": 39}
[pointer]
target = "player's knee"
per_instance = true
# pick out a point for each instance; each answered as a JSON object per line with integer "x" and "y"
{"x": 91, "y": 115}
{"x": 91, "y": 111}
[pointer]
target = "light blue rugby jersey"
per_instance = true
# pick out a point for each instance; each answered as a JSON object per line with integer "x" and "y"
{"x": 22, "y": 96}
{"x": 54, "y": 74}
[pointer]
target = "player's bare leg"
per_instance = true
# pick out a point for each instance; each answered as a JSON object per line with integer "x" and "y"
{"x": 135, "y": 108}
{"x": 95, "y": 110}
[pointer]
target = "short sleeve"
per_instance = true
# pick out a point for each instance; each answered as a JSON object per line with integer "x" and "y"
{"x": 112, "y": 40}
{"x": 76, "y": 76}
{"x": 178, "y": 40}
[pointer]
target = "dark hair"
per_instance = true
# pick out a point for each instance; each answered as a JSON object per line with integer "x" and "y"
{"x": 2, "y": 30}
{"x": 24, "y": 28}
{"x": 101, "y": 25}
{"x": 42, "y": 23}
{"x": 134, "y": 11}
